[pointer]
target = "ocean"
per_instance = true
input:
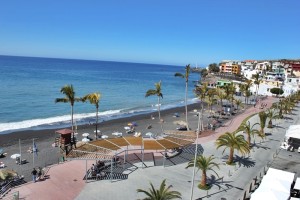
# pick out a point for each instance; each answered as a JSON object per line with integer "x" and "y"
{"x": 29, "y": 87}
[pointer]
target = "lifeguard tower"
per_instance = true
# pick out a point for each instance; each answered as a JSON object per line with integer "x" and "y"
{"x": 64, "y": 140}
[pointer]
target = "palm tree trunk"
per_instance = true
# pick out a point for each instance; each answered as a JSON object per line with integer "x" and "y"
{"x": 158, "y": 108}
{"x": 203, "y": 178}
{"x": 270, "y": 124}
{"x": 160, "y": 121}
{"x": 256, "y": 91}
{"x": 249, "y": 139}
{"x": 72, "y": 119}
{"x": 72, "y": 125}
{"x": 96, "y": 123}
{"x": 262, "y": 131}
{"x": 230, "y": 158}
{"x": 186, "y": 112}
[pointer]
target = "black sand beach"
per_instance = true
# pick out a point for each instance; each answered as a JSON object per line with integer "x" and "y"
{"x": 48, "y": 155}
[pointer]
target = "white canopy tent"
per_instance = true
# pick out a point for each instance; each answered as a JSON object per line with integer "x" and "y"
{"x": 268, "y": 194}
{"x": 281, "y": 175}
{"x": 275, "y": 185}
{"x": 297, "y": 184}
{"x": 293, "y": 132}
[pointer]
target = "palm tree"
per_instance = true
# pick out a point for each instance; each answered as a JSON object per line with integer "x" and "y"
{"x": 262, "y": 119}
{"x": 94, "y": 98}
{"x": 249, "y": 130}
{"x": 186, "y": 76}
{"x": 201, "y": 92}
{"x": 238, "y": 103}
{"x": 205, "y": 164}
{"x": 288, "y": 105}
{"x": 163, "y": 193}
{"x": 233, "y": 141}
{"x": 256, "y": 82}
{"x": 272, "y": 115}
{"x": 220, "y": 95}
{"x": 210, "y": 101}
{"x": 247, "y": 89}
{"x": 242, "y": 88}
{"x": 69, "y": 93}
{"x": 158, "y": 93}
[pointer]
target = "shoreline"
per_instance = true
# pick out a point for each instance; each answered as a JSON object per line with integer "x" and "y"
{"x": 11, "y": 138}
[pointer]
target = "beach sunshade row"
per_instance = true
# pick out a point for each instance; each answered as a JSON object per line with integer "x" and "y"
{"x": 107, "y": 148}
{"x": 76, "y": 154}
{"x": 187, "y": 135}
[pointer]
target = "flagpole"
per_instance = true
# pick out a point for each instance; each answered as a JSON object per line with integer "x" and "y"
{"x": 20, "y": 155}
{"x": 33, "y": 152}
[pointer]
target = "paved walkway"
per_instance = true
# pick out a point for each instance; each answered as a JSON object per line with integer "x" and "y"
{"x": 65, "y": 180}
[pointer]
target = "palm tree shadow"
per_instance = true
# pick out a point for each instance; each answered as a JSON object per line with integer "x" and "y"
{"x": 258, "y": 146}
{"x": 288, "y": 118}
{"x": 212, "y": 180}
{"x": 244, "y": 161}
{"x": 277, "y": 126}
{"x": 221, "y": 184}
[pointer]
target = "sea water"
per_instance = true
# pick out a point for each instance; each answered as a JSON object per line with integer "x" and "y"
{"x": 29, "y": 87}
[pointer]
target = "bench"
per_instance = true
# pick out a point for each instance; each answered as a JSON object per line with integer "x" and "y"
{"x": 94, "y": 175}
{"x": 172, "y": 154}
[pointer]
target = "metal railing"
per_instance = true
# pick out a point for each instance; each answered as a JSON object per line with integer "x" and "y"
{"x": 13, "y": 196}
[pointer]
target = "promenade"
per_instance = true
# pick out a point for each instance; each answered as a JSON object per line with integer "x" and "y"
{"x": 65, "y": 181}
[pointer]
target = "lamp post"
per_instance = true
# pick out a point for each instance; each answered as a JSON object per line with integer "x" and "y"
{"x": 196, "y": 152}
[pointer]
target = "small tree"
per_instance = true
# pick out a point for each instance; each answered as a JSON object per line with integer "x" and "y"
{"x": 156, "y": 92}
{"x": 205, "y": 164}
{"x": 271, "y": 113}
{"x": 94, "y": 98}
{"x": 233, "y": 141}
{"x": 238, "y": 104}
{"x": 213, "y": 67}
{"x": 263, "y": 119}
{"x": 249, "y": 130}
{"x": 277, "y": 91}
{"x": 163, "y": 193}
{"x": 186, "y": 77}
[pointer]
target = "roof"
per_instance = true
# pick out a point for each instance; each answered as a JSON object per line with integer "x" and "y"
{"x": 64, "y": 131}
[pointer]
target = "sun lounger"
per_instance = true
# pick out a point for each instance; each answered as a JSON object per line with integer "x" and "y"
{"x": 137, "y": 134}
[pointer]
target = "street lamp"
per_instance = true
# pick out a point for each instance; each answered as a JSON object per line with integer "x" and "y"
{"x": 196, "y": 152}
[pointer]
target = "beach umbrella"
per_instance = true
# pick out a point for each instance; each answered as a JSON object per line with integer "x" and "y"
{"x": 134, "y": 123}
{"x": 180, "y": 122}
{"x": 129, "y": 124}
{"x": 85, "y": 134}
{"x": 7, "y": 173}
{"x": 126, "y": 128}
{"x": 85, "y": 140}
{"x": 16, "y": 155}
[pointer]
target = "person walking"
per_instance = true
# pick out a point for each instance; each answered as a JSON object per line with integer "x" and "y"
{"x": 34, "y": 173}
{"x": 39, "y": 173}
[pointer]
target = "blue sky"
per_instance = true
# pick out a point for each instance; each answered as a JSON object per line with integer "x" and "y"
{"x": 175, "y": 32}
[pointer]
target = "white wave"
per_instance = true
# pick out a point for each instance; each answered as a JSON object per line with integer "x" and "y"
{"x": 83, "y": 118}
{"x": 65, "y": 119}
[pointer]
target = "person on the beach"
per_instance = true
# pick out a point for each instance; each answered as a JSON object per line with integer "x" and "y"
{"x": 34, "y": 173}
{"x": 93, "y": 168}
{"x": 39, "y": 173}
